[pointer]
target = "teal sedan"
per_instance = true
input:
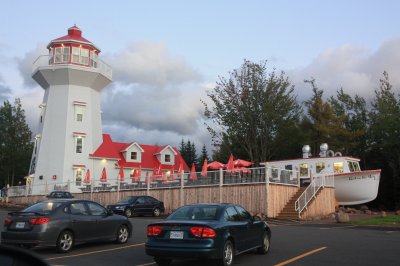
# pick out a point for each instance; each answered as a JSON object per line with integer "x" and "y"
{"x": 214, "y": 231}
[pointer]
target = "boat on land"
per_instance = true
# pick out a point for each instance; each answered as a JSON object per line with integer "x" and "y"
{"x": 352, "y": 185}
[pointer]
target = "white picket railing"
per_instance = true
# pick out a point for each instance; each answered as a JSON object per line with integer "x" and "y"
{"x": 318, "y": 182}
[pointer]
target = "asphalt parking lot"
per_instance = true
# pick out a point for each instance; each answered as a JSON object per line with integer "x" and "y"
{"x": 292, "y": 244}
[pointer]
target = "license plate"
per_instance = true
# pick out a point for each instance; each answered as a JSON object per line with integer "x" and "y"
{"x": 176, "y": 235}
{"x": 20, "y": 225}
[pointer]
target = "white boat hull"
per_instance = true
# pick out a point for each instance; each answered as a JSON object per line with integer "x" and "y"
{"x": 356, "y": 187}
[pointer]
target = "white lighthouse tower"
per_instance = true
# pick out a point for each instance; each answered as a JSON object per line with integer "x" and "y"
{"x": 72, "y": 77}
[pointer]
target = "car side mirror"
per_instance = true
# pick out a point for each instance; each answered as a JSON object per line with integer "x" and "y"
{"x": 110, "y": 212}
{"x": 256, "y": 218}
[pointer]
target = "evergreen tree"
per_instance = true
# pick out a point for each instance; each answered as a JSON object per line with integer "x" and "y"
{"x": 15, "y": 143}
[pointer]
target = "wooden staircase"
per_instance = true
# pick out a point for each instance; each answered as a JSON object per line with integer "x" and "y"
{"x": 289, "y": 212}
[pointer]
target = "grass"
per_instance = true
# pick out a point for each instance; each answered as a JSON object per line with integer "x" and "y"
{"x": 393, "y": 220}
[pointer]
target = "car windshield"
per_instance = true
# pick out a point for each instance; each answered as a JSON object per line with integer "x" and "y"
{"x": 43, "y": 207}
{"x": 128, "y": 200}
{"x": 195, "y": 212}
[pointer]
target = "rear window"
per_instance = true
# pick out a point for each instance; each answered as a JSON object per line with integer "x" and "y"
{"x": 207, "y": 212}
{"x": 43, "y": 207}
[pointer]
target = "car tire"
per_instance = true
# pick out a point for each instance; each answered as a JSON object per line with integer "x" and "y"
{"x": 122, "y": 234}
{"x": 156, "y": 212}
{"x": 264, "y": 249}
{"x": 162, "y": 262}
{"x": 65, "y": 241}
{"x": 228, "y": 254}
{"x": 128, "y": 212}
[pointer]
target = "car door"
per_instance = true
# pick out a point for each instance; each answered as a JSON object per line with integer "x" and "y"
{"x": 82, "y": 221}
{"x": 253, "y": 234}
{"x": 141, "y": 205}
{"x": 104, "y": 227}
{"x": 237, "y": 228}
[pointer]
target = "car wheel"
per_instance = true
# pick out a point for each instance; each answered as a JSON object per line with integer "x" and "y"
{"x": 65, "y": 241}
{"x": 265, "y": 245}
{"x": 128, "y": 212}
{"x": 228, "y": 254}
{"x": 162, "y": 262}
{"x": 122, "y": 234}
{"x": 156, "y": 212}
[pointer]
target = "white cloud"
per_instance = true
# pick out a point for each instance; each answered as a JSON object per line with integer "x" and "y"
{"x": 25, "y": 64}
{"x": 356, "y": 70}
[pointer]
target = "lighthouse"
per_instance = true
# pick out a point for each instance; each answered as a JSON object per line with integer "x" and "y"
{"x": 72, "y": 76}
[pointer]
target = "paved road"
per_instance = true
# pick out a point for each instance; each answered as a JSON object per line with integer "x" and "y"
{"x": 292, "y": 244}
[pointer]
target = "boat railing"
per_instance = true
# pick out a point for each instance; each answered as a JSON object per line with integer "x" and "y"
{"x": 318, "y": 181}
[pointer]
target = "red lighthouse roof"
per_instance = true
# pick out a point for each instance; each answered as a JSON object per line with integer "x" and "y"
{"x": 74, "y": 36}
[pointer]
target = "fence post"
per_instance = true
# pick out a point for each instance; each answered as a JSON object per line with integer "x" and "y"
{"x": 91, "y": 189}
{"x": 182, "y": 186}
{"x": 148, "y": 185}
{"x": 118, "y": 185}
{"x": 266, "y": 190}
{"x": 221, "y": 182}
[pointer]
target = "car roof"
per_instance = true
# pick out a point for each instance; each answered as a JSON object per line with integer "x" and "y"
{"x": 212, "y": 204}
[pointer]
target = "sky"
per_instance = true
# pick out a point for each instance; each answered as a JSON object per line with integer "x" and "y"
{"x": 166, "y": 55}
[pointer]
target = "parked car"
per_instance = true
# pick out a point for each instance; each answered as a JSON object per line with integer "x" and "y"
{"x": 63, "y": 223}
{"x": 215, "y": 231}
{"x": 60, "y": 195}
{"x": 138, "y": 205}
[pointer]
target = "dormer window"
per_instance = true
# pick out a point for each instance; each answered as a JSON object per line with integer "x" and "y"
{"x": 167, "y": 158}
{"x": 134, "y": 155}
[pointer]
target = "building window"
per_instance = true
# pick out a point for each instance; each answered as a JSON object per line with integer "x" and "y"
{"x": 134, "y": 155}
{"x": 319, "y": 167}
{"x": 79, "y": 144}
{"x": 78, "y": 176}
{"x": 167, "y": 158}
{"x": 93, "y": 59}
{"x": 304, "y": 169}
{"x": 84, "y": 56}
{"x": 61, "y": 55}
{"x": 338, "y": 167}
{"x": 75, "y": 55}
{"x": 79, "y": 112}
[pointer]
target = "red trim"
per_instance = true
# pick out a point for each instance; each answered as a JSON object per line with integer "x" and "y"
{"x": 359, "y": 173}
{"x": 79, "y": 103}
{"x": 314, "y": 158}
{"x": 78, "y": 166}
{"x": 79, "y": 134}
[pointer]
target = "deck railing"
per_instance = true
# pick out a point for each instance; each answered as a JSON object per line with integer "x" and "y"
{"x": 318, "y": 181}
{"x": 149, "y": 181}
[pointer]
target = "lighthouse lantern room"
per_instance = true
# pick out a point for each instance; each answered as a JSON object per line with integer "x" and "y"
{"x": 72, "y": 76}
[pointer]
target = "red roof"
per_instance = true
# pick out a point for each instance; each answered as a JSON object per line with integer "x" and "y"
{"x": 74, "y": 35}
{"x": 113, "y": 150}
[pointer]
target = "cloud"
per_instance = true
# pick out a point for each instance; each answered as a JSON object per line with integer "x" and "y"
{"x": 25, "y": 64}
{"x": 356, "y": 70}
{"x": 149, "y": 63}
{"x": 5, "y": 91}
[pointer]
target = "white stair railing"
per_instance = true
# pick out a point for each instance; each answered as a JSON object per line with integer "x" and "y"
{"x": 318, "y": 182}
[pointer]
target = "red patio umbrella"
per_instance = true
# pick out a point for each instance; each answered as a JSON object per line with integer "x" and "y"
{"x": 172, "y": 175}
{"x": 180, "y": 169}
{"x": 103, "y": 175}
{"x": 241, "y": 163}
{"x": 87, "y": 177}
{"x": 193, "y": 175}
{"x": 230, "y": 165}
{"x": 204, "y": 168}
{"x": 121, "y": 173}
{"x": 215, "y": 165}
{"x": 135, "y": 176}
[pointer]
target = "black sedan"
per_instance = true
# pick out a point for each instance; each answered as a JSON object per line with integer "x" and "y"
{"x": 63, "y": 223}
{"x": 215, "y": 231}
{"x": 138, "y": 205}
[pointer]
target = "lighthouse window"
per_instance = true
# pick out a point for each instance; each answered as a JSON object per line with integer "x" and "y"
{"x": 75, "y": 55}
{"x": 84, "y": 56}
{"x": 78, "y": 176}
{"x": 319, "y": 167}
{"x": 79, "y": 113}
{"x": 61, "y": 55}
{"x": 93, "y": 59}
{"x": 79, "y": 144}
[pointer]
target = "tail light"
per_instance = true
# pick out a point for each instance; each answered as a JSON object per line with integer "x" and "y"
{"x": 41, "y": 220}
{"x": 203, "y": 232}
{"x": 7, "y": 221}
{"x": 154, "y": 230}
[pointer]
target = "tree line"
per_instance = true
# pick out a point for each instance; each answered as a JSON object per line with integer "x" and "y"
{"x": 254, "y": 114}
